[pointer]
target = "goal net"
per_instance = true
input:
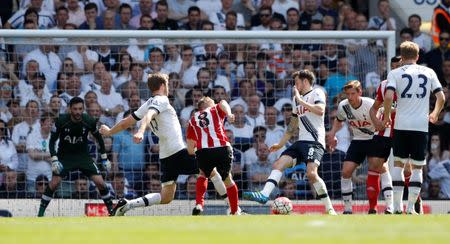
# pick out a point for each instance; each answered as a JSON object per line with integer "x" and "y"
{"x": 42, "y": 70}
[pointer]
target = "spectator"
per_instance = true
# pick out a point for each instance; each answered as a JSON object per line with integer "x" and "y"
{"x": 109, "y": 100}
{"x": 62, "y": 17}
{"x": 81, "y": 188}
{"x": 256, "y": 19}
{"x": 336, "y": 81}
{"x": 6, "y": 96}
{"x": 18, "y": 19}
{"x": 241, "y": 129}
{"x": 326, "y": 9}
{"x": 156, "y": 62}
{"x": 328, "y": 23}
{"x": 441, "y": 174}
{"x": 49, "y": 63}
{"x": 8, "y": 158}
{"x": 137, "y": 74}
{"x": 48, "y": 5}
{"x": 39, "y": 162}
{"x": 374, "y": 78}
{"x": 178, "y": 9}
{"x": 366, "y": 58}
{"x": 310, "y": 13}
{"x": 218, "y": 77}
{"x": 55, "y": 106}
{"x": 15, "y": 110}
{"x": 259, "y": 170}
{"x": 109, "y": 19}
{"x": 445, "y": 78}
{"x": 231, "y": 20}
{"x": 292, "y": 19}
{"x": 436, "y": 56}
{"x": 421, "y": 38}
{"x": 173, "y": 61}
{"x": 190, "y": 191}
{"x": 193, "y": 96}
{"x": 22, "y": 130}
{"x": 204, "y": 81}
{"x": 288, "y": 189}
{"x": 72, "y": 89}
{"x": 119, "y": 188}
{"x": 253, "y": 115}
{"x": 265, "y": 15}
{"x": 145, "y": 23}
{"x": 145, "y": 9}
{"x": 384, "y": 21}
{"x": 93, "y": 20}
{"x": 83, "y": 58}
{"x": 92, "y": 82}
{"x": 238, "y": 169}
{"x": 283, "y": 6}
{"x": 219, "y": 93}
{"x": 274, "y": 132}
{"x": 162, "y": 22}
{"x": 39, "y": 92}
{"x": 12, "y": 187}
{"x": 437, "y": 152}
{"x": 440, "y": 21}
{"x": 193, "y": 19}
{"x": 125, "y": 12}
{"x": 40, "y": 183}
{"x": 108, "y": 57}
{"x": 218, "y": 18}
{"x": 188, "y": 70}
{"x": 76, "y": 14}
{"x": 123, "y": 69}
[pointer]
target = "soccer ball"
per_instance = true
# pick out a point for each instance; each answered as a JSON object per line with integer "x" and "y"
{"x": 282, "y": 205}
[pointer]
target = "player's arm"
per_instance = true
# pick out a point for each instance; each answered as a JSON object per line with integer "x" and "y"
{"x": 139, "y": 135}
{"x": 191, "y": 139}
{"x": 122, "y": 125}
{"x": 227, "y": 109}
{"x": 53, "y": 138}
{"x": 292, "y": 128}
{"x": 191, "y": 146}
{"x": 317, "y": 108}
{"x": 374, "y": 111}
{"x": 388, "y": 98}
{"x": 440, "y": 101}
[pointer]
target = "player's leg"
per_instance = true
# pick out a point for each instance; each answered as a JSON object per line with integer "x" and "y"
{"x": 104, "y": 191}
{"x": 319, "y": 186}
{"x": 200, "y": 189}
{"x": 386, "y": 188}
{"x": 223, "y": 168}
{"x": 232, "y": 192}
{"x": 348, "y": 168}
{"x": 48, "y": 194}
{"x": 408, "y": 172}
{"x": 373, "y": 182}
{"x": 285, "y": 161}
{"x": 418, "y": 152}
{"x": 400, "y": 145}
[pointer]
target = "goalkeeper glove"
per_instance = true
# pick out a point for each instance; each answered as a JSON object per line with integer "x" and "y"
{"x": 105, "y": 162}
{"x": 57, "y": 167}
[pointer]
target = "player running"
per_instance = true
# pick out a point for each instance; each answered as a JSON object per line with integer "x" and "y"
{"x": 308, "y": 117}
{"x": 207, "y": 140}
{"x": 162, "y": 119}
{"x": 355, "y": 109}
{"x": 72, "y": 130}
{"x": 413, "y": 85}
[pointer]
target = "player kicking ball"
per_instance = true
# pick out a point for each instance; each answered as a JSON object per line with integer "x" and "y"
{"x": 162, "y": 119}
{"x": 207, "y": 140}
{"x": 72, "y": 130}
{"x": 308, "y": 117}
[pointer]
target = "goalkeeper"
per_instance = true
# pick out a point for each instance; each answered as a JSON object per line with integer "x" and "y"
{"x": 72, "y": 130}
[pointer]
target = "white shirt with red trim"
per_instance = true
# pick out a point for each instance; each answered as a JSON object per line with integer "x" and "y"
{"x": 381, "y": 90}
{"x": 206, "y": 127}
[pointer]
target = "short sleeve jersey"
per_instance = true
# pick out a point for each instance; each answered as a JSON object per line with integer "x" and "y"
{"x": 359, "y": 120}
{"x": 413, "y": 85}
{"x": 165, "y": 125}
{"x": 311, "y": 126}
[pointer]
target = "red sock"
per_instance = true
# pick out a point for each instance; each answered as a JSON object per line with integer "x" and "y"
{"x": 200, "y": 189}
{"x": 232, "y": 193}
{"x": 373, "y": 188}
{"x": 407, "y": 177}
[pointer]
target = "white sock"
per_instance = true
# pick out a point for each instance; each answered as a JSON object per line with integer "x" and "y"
{"x": 147, "y": 200}
{"x": 386, "y": 188}
{"x": 415, "y": 184}
{"x": 398, "y": 182}
{"x": 322, "y": 193}
{"x": 347, "y": 192}
{"x": 271, "y": 182}
{"x": 220, "y": 187}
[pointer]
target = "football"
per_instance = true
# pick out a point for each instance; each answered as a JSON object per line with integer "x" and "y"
{"x": 282, "y": 205}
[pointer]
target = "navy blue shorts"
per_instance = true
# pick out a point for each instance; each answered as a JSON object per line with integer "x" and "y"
{"x": 180, "y": 163}
{"x": 305, "y": 151}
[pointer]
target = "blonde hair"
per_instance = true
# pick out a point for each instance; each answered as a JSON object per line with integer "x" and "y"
{"x": 409, "y": 50}
{"x": 205, "y": 102}
{"x": 155, "y": 81}
{"x": 352, "y": 84}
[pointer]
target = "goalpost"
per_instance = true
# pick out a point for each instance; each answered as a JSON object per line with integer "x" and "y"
{"x": 280, "y": 52}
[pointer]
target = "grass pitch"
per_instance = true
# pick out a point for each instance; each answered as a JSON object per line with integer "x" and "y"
{"x": 229, "y": 229}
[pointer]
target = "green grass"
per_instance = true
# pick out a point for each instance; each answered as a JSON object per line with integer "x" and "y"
{"x": 229, "y": 229}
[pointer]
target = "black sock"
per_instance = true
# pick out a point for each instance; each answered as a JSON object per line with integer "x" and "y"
{"x": 107, "y": 199}
{"x": 45, "y": 200}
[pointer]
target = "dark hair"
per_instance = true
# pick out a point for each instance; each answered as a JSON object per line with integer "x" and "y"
{"x": 162, "y": 3}
{"x": 47, "y": 115}
{"x": 415, "y": 16}
{"x": 193, "y": 9}
{"x": 28, "y": 21}
{"x": 76, "y": 100}
{"x": 62, "y": 8}
{"x": 396, "y": 59}
{"x": 90, "y": 6}
{"x": 259, "y": 128}
{"x": 305, "y": 74}
{"x": 123, "y": 6}
{"x": 292, "y": 9}
{"x": 156, "y": 80}
{"x": 407, "y": 31}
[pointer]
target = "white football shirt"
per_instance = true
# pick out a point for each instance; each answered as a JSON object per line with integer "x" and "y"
{"x": 413, "y": 84}
{"x": 311, "y": 126}
{"x": 165, "y": 125}
{"x": 358, "y": 118}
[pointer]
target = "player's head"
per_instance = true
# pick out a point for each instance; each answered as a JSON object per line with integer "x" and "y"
{"x": 409, "y": 51}
{"x": 76, "y": 108}
{"x": 205, "y": 102}
{"x": 395, "y": 62}
{"x": 303, "y": 79}
{"x": 353, "y": 91}
{"x": 158, "y": 82}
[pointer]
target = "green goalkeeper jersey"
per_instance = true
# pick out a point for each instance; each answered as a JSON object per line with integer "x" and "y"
{"x": 73, "y": 136}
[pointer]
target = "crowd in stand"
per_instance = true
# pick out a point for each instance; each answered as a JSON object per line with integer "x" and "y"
{"x": 255, "y": 78}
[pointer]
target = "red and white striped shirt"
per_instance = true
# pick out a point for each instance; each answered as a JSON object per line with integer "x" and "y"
{"x": 381, "y": 90}
{"x": 206, "y": 127}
